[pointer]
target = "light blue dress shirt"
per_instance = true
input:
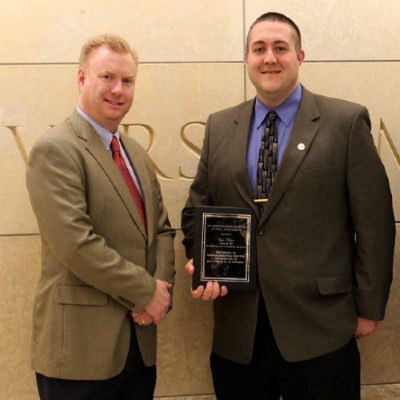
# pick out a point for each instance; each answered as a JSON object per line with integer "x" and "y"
{"x": 286, "y": 113}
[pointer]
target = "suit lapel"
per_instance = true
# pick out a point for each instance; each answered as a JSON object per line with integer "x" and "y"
{"x": 96, "y": 148}
{"x": 303, "y": 133}
{"x": 238, "y": 142}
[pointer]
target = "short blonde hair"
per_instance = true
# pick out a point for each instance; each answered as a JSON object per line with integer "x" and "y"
{"x": 113, "y": 42}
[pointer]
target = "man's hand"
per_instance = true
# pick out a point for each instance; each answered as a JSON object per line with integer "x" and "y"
{"x": 159, "y": 305}
{"x": 211, "y": 291}
{"x": 365, "y": 327}
{"x": 142, "y": 318}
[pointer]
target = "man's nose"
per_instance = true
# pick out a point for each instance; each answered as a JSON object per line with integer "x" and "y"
{"x": 117, "y": 86}
{"x": 269, "y": 57}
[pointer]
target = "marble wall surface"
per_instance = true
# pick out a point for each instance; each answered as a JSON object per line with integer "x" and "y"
{"x": 191, "y": 65}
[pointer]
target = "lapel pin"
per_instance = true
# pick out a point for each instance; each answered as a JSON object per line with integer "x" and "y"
{"x": 301, "y": 146}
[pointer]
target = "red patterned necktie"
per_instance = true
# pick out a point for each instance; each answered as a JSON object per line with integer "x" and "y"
{"x": 120, "y": 162}
{"x": 267, "y": 160}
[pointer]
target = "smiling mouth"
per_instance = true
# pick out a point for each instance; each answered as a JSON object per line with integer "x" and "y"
{"x": 114, "y": 103}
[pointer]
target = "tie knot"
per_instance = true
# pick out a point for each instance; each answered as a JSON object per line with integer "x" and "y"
{"x": 271, "y": 119}
{"x": 272, "y": 116}
{"x": 115, "y": 147}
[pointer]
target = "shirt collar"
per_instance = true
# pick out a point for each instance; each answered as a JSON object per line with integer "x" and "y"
{"x": 286, "y": 111}
{"x": 105, "y": 135}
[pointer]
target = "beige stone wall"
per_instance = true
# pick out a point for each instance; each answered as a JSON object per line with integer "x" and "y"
{"x": 192, "y": 64}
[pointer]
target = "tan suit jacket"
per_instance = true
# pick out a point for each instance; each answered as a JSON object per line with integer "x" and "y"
{"x": 325, "y": 239}
{"x": 97, "y": 261}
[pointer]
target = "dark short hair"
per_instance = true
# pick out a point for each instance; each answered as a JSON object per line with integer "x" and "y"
{"x": 275, "y": 16}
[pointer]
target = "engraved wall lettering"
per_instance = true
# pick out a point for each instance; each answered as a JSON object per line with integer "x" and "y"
{"x": 192, "y": 135}
{"x": 21, "y": 148}
{"x": 384, "y": 134}
{"x": 146, "y": 136}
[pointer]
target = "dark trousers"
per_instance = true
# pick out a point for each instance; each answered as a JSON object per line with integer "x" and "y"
{"x": 333, "y": 376}
{"x": 135, "y": 382}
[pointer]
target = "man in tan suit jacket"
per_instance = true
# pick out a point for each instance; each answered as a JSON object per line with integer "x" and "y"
{"x": 324, "y": 238}
{"x": 106, "y": 276}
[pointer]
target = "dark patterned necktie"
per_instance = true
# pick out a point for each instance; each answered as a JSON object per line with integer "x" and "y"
{"x": 120, "y": 162}
{"x": 267, "y": 160}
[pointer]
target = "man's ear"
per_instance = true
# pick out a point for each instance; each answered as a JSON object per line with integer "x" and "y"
{"x": 300, "y": 56}
{"x": 81, "y": 77}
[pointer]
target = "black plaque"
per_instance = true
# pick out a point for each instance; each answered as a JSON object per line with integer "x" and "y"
{"x": 224, "y": 247}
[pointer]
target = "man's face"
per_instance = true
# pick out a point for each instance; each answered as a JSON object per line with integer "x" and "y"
{"x": 273, "y": 62}
{"x": 106, "y": 86}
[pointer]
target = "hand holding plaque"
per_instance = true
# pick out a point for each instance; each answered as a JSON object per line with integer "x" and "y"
{"x": 211, "y": 291}
{"x": 224, "y": 249}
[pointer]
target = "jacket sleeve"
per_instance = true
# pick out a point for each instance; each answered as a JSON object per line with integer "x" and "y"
{"x": 373, "y": 220}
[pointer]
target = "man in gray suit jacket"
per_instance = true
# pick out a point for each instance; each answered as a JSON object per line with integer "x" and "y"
{"x": 107, "y": 270}
{"x": 324, "y": 238}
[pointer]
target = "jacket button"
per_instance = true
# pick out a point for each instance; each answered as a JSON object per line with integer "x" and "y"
{"x": 260, "y": 232}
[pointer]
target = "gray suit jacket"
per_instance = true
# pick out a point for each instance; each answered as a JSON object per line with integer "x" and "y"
{"x": 97, "y": 261}
{"x": 325, "y": 239}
